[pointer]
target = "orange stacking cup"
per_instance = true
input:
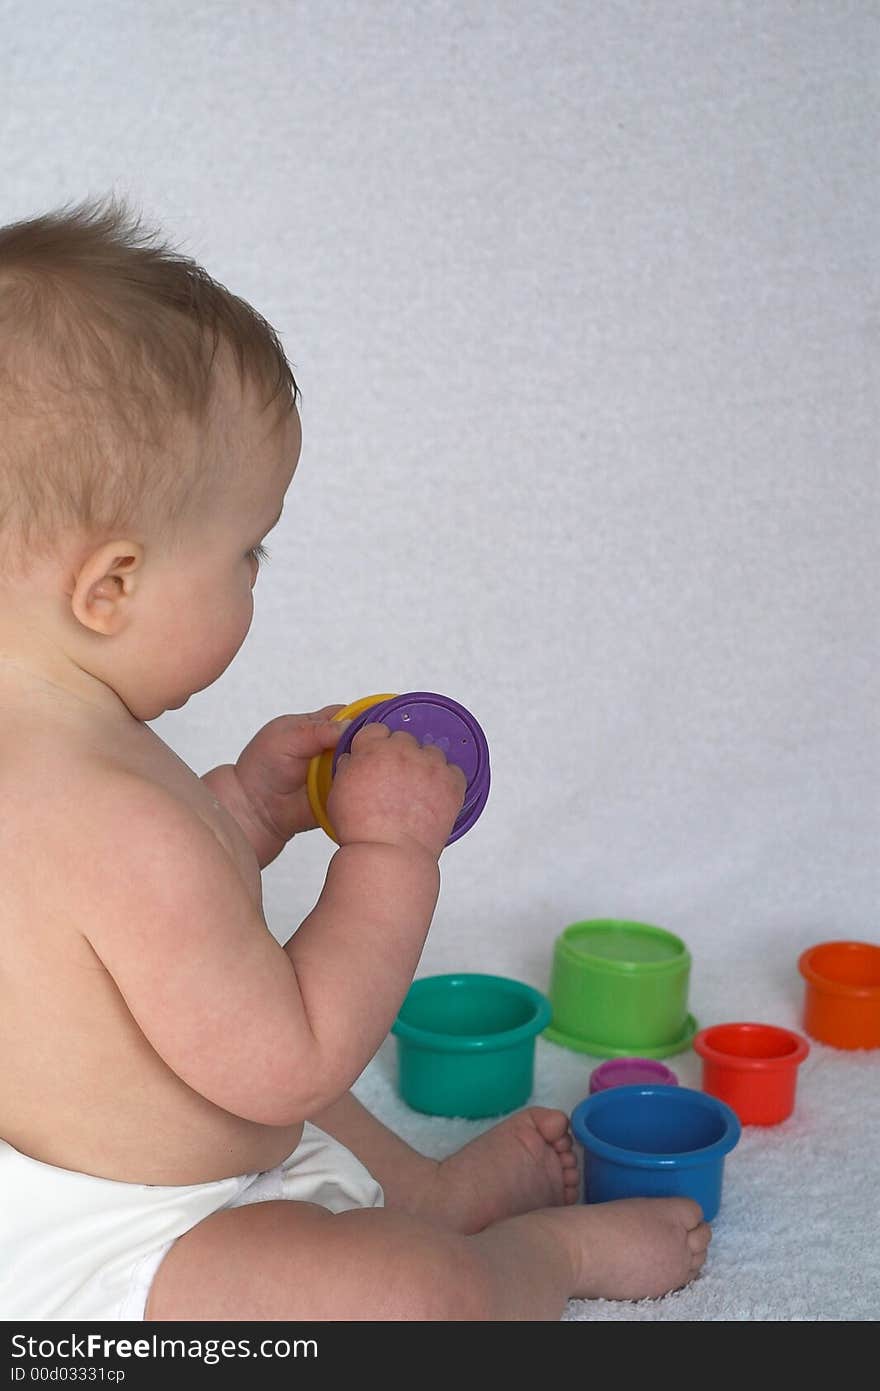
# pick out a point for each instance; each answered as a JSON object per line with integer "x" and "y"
{"x": 842, "y": 1002}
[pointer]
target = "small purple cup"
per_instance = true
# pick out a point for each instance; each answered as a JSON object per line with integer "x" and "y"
{"x": 625, "y": 1072}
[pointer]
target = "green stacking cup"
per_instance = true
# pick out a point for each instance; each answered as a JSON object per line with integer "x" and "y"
{"x": 466, "y": 1044}
{"x": 620, "y": 989}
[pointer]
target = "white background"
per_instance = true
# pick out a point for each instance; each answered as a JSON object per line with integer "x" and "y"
{"x": 583, "y": 302}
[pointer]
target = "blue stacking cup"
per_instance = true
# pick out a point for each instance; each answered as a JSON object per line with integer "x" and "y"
{"x": 655, "y": 1142}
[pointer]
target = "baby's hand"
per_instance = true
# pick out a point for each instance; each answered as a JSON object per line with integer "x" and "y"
{"x": 389, "y": 788}
{"x": 271, "y": 772}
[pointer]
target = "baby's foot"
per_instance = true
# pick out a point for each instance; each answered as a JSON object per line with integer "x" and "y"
{"x": 523, "y": 1163}
{"x": 636, "y": 1248}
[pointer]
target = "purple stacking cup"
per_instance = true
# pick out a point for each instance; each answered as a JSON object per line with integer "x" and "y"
{"x": 435, "y": 719}
{"x": 626, "y": 1072}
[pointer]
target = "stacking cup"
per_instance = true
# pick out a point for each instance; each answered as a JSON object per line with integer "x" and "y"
{"x": 842, "y": 996}
{"x": 620, "y": 988}
{"x": 466, "y": 1044}
{"x": 655, "y": 1142}
{"x": 628, "y": 1072}
{"x": 431, "y": 719}
{"x": 753, "y": 1067}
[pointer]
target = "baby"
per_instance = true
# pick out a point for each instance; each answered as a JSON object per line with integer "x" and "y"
{"x": 178, "y": 1137}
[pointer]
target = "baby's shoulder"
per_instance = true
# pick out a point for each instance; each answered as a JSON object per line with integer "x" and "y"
{"x": 58, "y": 794}
{"x": 128, "y": 807}
{"x": 68, "y": 826}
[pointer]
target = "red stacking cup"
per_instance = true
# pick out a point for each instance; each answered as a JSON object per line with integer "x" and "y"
{"x": 753, "y": 1067}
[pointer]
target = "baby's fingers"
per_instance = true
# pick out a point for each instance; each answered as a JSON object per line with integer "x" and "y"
{"x": 368, "y": 735}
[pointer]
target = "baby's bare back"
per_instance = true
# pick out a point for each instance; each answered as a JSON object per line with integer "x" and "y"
{"x": 81, "y": 1087}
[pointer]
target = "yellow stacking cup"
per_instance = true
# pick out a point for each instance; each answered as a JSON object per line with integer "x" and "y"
{"x": 320, "y": 775}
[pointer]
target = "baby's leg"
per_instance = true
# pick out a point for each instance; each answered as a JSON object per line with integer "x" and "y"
{"x": 523, "y": 1162}
{"x": 292, "y": 1260}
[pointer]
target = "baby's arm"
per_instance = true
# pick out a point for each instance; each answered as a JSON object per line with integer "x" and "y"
{"x": 393, "y": 805}
{"x": 265, "y": 789}
{"x": 269, "y": 1035}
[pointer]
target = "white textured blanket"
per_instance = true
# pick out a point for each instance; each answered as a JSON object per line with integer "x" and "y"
{"x": 798, "y": 1232}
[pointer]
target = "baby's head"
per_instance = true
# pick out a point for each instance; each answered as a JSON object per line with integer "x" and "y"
{"x": 150, "y": 432}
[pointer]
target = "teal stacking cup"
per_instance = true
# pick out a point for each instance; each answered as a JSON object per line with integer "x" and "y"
{"x": 466, "y": 1044}
{"x": 620, "y": 989}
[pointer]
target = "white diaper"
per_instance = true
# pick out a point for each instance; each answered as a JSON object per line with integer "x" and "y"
{"x": 73, "y": 1246}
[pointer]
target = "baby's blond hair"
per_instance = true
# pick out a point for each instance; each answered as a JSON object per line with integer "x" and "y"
{"x": 108, "y": 338}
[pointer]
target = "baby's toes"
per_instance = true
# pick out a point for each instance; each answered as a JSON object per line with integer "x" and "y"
{"x": 570, "y": 1186}
{"x": 699, "y": 1238}
{"x": 552, "y": 1126}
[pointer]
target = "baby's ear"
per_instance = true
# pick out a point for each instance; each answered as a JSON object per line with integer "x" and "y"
{"x": 104, "y": 586}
